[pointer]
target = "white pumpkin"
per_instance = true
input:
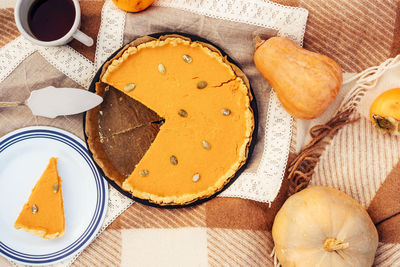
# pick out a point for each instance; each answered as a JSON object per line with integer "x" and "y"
{"x": 322, "y": 226}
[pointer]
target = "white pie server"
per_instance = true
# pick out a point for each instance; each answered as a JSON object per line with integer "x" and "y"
{"x": 51, "y": 102}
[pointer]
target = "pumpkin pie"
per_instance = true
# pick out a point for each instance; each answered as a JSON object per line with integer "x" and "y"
{"x": 190, "y": 109}
{"x": 43, "y": 214}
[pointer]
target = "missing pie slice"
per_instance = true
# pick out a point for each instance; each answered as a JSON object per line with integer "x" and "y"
{"x": 181, "y": 123}
{"x": 43, "y": 214}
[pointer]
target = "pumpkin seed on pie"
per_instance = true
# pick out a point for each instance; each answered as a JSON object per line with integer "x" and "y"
{"x": 56, "y": 186}
{"x": 225, "y": 112}
{"x": 196, "y": 177}
{"x": 206, "y": 144}
{"x": 187, "y": 58}
{"x": 173, "y": 160}
{"x": 201, "y": 85}
{"x": 144, "y": 173}
{"x": 129, "y": 87}
{"x": 161, "y": 68}
{"x": 182, "y": 113}
{"x": 34, "y": 209}
{"x": 171, "y": 96}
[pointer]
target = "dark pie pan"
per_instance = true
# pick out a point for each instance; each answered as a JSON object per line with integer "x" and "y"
{"x": 253, "y": 105}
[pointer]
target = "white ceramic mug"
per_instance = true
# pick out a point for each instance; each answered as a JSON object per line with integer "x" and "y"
{"x": 21, "y": 18}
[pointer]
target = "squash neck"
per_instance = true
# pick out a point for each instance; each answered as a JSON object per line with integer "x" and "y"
{"x": 258, "y": 41}
{"x": 333, "y": 244}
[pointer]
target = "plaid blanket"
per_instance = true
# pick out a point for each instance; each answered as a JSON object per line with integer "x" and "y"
{"x": 233, "y": 231}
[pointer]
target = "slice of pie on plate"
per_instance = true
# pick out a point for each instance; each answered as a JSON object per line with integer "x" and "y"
{"x": 178, "y": 117}
{"x": 43, "y": 214}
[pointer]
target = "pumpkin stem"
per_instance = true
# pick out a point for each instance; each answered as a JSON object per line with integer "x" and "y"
{"x": 332, "y": 244}
{"x": 258, "y": 41}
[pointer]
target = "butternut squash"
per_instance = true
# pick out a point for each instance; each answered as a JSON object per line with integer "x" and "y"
{"x": 305, "y": 82}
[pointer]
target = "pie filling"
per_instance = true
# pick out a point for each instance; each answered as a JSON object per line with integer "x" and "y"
{"x": 199, "y": 112}
{"x": 127, "y": 129}
{"x": 43, "y": 214}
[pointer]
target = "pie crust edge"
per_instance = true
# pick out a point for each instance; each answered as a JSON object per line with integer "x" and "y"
{"x": 94, "y": 140}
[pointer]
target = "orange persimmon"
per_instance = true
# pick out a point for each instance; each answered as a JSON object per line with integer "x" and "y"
{"x": 133, "y": 5}
{"x": 385, "y": 111}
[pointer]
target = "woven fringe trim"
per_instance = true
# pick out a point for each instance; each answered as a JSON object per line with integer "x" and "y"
{"x": 301, "y": 169}
{"x": 273, "y": 255}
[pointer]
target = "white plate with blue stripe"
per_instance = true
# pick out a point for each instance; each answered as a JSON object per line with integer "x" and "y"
{"x": 24, "y": 155}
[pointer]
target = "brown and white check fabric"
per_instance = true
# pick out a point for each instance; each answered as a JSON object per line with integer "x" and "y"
{"x": 235, "y": 232}
{"x": 220, "y": 232}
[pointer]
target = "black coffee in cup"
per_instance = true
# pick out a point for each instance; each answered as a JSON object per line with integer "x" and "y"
{"x": 50, "y": 20}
